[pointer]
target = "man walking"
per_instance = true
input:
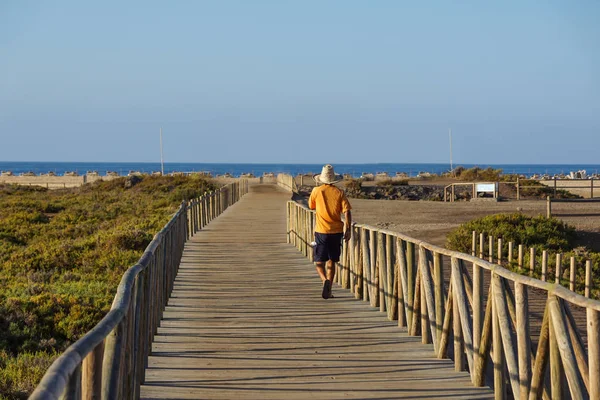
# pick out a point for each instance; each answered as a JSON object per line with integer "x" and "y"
{"x": 329, "y": 203}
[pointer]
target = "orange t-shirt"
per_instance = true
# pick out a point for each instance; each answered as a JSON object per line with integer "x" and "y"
{"x": 330, "y": 202}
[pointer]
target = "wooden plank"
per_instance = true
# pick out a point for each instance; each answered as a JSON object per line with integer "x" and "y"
{"x": 497, "y": 359}
{"x": 428, "y": 290}
{"x": 556, "y": 367}
{"x": 465, "y": 315}
{"x": 403, "y": 269}
{"x": 477, "y": 313}
{"x": 593, "y": 335}
{"x": 578, "y": 345}
{"x": 506, "y": 331}
{"x": 391, "y": 286}
{"x": 366, "y": 264}
{"x": 438, "y": 267}
{"x": 374, "y": 273}
{"x": 382, "y": 270}
{"x": 459, "y": 348}
{"x": 541, "y": 359}
{"x": 523, "y": 339}
{"x": 444, "y": 339}
{"x": 567, "y": 354}
{"x": 485, "y": 343}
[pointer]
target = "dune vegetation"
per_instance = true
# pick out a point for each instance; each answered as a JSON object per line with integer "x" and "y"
{"x": 539, "y": 232}
{"x": 62, "y": 255}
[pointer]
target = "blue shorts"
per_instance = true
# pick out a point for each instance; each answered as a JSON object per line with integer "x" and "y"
{"x": 328, "y": 247}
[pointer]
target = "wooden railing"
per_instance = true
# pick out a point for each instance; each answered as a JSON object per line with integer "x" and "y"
{"x": 109, "y": 362}
{"x": 489, "y": 336}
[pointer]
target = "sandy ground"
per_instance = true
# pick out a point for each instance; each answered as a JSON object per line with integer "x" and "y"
{"x": 432, "y": 221}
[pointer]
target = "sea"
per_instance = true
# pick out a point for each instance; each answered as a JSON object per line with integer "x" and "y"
{"x": 356, "y": 170}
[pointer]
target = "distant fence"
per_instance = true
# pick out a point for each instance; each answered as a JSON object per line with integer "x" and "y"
{"x": 581, "y": 187}
{"x": 405, "y": 278}
{"x": 503, "y": 252}
{"x": 550, "y": 200}
{"x": 287, "y": 182}
{"x": 109, "y": 361}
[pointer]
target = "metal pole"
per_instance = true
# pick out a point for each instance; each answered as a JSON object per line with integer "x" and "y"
{"x": 162, "y": 165}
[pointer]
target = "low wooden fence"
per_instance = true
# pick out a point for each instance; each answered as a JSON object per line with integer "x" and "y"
{"x": 489, "y": 336}
{"x": 583, "y": 187}
{"x": 550, "y": 200}
{"x": 109, "y": 362}
{"x": 287, "y": 182}
{"x": 579, "y": 278}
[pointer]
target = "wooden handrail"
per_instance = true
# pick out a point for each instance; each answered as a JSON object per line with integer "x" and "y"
{"x": 404, "y": 277}
{"x": 109, "y": 361}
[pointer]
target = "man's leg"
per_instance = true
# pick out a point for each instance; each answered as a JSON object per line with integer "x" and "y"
{"x": 321, "y": 270}
{"x": 330, "y": 270}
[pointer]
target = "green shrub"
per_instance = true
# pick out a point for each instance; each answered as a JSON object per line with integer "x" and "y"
{"x": 393, "y": 182}
{"x": 62, "y": 255}
{"x": 477, "y": 174}
{"x": 549, "y": 233}
{"x": 19, "y": 375}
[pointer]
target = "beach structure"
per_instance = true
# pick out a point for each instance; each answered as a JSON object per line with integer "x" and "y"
{"x": 449, "y": 323}
{"x": 367, "y": 176}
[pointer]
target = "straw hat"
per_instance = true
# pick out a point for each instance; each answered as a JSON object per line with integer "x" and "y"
{"x": 327, "y": 176}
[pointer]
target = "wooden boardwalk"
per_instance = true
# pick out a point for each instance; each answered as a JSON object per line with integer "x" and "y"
{"x": 246, "y": 320}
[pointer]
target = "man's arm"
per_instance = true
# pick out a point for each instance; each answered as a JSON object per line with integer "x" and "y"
{"x": 348, "y": 228}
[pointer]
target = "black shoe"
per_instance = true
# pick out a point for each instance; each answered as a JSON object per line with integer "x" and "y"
{"x": 326, "y": 289}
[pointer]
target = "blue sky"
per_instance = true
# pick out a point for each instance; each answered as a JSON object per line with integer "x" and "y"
{"x": 300, "y": 81}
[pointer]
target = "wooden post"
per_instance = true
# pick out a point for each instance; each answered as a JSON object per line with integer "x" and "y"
{"x": 497, "y": 360}
{"x": 428, "y": 308}
{"x": 438, "y": 268}
{"x": 531, "y": 261}
{"x": 549, "y": 205}
{"x": 592, "y": 188}
{"x": 554, "y": 187}
{"x": 499, "y": 251}
{"x": 459, "y": 350}
{"x": 556, "y": 370}
{"x": 510, "y": 252}
{"x": 410, "y": 276}
{"x": 506, "y": 332}
{"x": 523, "y": 339}
{"x": 518, "y": 189}
{"x": 572, "y": 275}
{"x": 481, "y": 245}
{"x": 477, "y": 313}
{"x": 544, "y": 265}
{"x": 520, "y": 257}
{"x": 403, "y": 284}
{"x": 558, "y": 268}
{"x": 566, "y": 351}
{"x": 588, "y": 278}
{"x": 390, "y": 291}
{"x": 491, "y": 248}
{"x": 593, "y": 338}
{"x": 366, "y": 264}
{"x": 374, "y": 286}
{"x": 541, "y": 358}
{"x": 474, "y": 244}
{"x": 381, "y": 268}
{"x": 91, "y": 380}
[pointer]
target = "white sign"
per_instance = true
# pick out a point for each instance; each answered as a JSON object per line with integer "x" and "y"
{"x": 485, "y": 187}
